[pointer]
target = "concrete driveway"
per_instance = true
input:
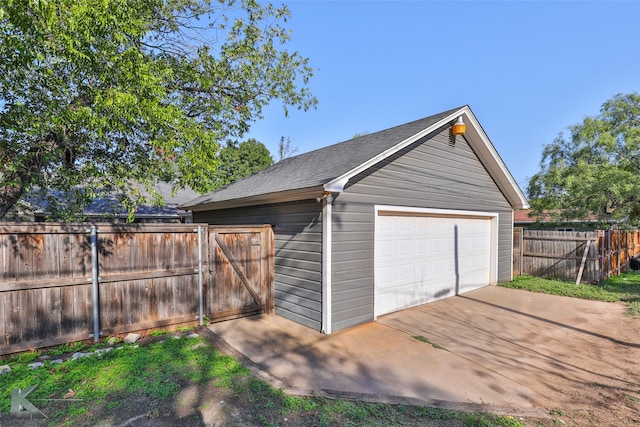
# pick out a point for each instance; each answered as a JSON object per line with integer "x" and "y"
{"x": 506, "y": 350}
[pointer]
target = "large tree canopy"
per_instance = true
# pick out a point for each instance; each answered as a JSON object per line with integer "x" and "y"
{"x": 596, "y": 170}
{"x": 238, "y": 161}
{"x": 102, "y": 96}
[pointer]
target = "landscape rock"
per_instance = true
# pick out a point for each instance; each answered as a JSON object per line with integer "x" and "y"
{"x": 131, "y": 338}
{"x": 5, "y": 369}
{"x": 79, "y": 355}
{"x": 100, "y": 351}
{"x": 36, "y": 365}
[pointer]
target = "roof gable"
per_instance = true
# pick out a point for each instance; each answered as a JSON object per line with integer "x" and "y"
{"x": 329, "y": 169}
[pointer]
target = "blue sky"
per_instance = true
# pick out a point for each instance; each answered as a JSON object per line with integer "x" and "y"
{"x": 527, "y": 69}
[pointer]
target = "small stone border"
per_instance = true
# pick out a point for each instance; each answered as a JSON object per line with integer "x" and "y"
{"x": 129, "y": 339}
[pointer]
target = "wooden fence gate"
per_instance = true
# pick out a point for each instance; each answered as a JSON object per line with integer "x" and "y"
{"x": 65, "y": 282}
{"x": 241, "y": 265}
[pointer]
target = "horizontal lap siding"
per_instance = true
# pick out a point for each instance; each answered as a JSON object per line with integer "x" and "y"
{"x": 429, "y": 174}
{"x": 298, "y": 253}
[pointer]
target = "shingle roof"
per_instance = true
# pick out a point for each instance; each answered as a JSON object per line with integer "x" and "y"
{"x": 316, "y": 168}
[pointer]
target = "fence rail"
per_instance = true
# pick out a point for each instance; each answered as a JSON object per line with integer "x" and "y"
{"x": 591, "y": 256}
{"x": 68, "y": 282}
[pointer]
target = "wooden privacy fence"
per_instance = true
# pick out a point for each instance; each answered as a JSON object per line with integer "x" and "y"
{"x": 582, "y": 256}
{"x": 68, "y": 282}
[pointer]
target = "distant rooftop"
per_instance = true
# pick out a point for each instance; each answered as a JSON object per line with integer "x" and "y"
{"x": 31, "y": 210}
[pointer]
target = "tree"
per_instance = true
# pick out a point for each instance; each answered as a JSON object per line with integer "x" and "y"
{"x": 236, "y": 162}
{"x": 285, "y": 149}
{"x": 99, "y": 97}
{"x": 596, "y": 170}
{"x": 360, "y": 134}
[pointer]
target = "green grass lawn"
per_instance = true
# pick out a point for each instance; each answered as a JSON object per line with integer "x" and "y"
{"x": 150, "y": 379}
{"x": 625, "y": 287}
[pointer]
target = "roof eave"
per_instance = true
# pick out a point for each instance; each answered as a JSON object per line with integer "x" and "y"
{"x": 261, "y": 199}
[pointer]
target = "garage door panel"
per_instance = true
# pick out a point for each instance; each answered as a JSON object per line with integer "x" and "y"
{"x": 422, "y": 258}
{"x": 385, "y": 250}
{"x": 422, "y": 246}
{"x": 403, "y": 248}
{"x": 401, "y": 297}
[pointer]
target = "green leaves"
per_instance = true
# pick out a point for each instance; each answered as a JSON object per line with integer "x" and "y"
{"x": 597, "y": 169}
{"x": 236, "y": 162}
{"x": 102, "y": 95}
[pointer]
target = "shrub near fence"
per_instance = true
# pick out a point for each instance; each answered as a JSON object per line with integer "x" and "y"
{"x": 590, "y": 257}
{"x": 54, "y": 281}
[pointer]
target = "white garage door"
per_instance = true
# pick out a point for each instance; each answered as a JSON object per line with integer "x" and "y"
{"x": 425, "y": 256}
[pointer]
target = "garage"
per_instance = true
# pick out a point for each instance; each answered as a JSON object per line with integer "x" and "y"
{"x": 422, "y": 255}
{"x": 380, "y": 222}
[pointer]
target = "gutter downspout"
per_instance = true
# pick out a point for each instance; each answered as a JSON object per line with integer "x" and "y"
{"x": 327, "y": 209}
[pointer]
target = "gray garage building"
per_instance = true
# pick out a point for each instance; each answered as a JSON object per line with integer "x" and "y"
{"x": 381, "y": 222}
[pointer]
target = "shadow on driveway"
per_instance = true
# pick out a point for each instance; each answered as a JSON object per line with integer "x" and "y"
{"x": 505, "y": 351}
{"x": 554, "y": 346}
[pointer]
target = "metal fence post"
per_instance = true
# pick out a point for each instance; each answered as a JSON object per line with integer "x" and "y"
{"x": 94, "y": 282}
{"x": 200, "y": 290}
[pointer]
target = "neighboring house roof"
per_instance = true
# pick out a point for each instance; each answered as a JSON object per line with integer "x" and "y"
{"x": 169, "y": 210}
{"x": 329, "y": 169}
{"x": 526, "y": 216}
{"x": 110, "y": 205}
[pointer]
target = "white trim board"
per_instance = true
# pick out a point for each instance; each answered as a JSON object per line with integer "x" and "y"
{"x": 327, "y": 213}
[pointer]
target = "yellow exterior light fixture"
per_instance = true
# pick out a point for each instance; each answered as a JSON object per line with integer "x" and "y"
{"x": 459, "y": 127}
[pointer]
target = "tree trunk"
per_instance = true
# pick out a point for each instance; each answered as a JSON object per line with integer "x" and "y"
{"x": 14, "y": 184}
{"x": 9, "y": 196}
